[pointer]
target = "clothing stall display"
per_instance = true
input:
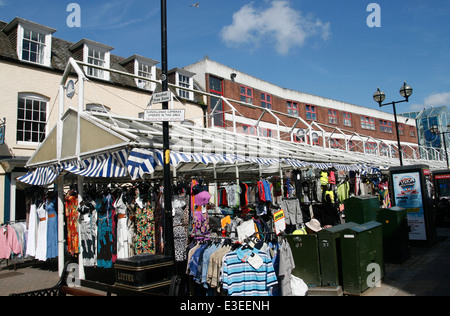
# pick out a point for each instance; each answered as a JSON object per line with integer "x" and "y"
{"x": 12, "y": 240}
{"x": 229, "y": 236}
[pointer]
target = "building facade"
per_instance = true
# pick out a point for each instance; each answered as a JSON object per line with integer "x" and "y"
{"x": 32, "y": 62}
{"x": 267, "y": 110}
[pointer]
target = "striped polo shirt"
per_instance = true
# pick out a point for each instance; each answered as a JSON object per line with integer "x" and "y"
{"x": 240, "y": 278}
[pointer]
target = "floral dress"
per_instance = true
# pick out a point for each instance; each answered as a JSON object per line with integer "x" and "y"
{"x": 145, "y": 229}
{"x": 72, "y": 224}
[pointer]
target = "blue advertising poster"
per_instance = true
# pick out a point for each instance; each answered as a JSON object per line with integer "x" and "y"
{"x": 408, "y": 195}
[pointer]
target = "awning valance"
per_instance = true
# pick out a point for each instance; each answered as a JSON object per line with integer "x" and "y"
{"x": 42, "y": 176}
{"x": 138, "y": 162}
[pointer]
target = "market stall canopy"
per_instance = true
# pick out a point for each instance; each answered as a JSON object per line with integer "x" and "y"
{"x": 119, "y": 147}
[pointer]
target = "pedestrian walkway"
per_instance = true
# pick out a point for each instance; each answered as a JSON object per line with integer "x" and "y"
{"x": 29, "y": 276}
{"x": 426, "y": 273}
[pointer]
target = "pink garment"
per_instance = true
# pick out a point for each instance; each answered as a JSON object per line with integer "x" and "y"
{"x": 9, "y": 243}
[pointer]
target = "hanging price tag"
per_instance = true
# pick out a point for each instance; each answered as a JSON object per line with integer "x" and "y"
{"x": 255, "y": 261}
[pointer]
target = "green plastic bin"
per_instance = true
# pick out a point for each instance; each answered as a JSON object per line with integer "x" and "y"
{"x": 361, "y": 209}
{"x": 395, "y": 234}
{"x": 306, "y": 257}
{"x": 330, "y": 254}
{"x": 362, "y": 257}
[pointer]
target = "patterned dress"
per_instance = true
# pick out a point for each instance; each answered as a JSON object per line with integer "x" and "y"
{"x": 145, "y": 230}
{"x": 72, "y": 224}
{"x": 105, "y": 233}
{"x": 180, "y": 227}
{"x": 88, "y": 235}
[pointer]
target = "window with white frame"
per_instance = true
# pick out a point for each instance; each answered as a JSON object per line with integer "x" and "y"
{"x": 34, "y": 43}
{"x": 146, "y": 71}
{"x": 96, "y": 57}
{"x": 31, "y": 118}
{"x": 184, "y": 79}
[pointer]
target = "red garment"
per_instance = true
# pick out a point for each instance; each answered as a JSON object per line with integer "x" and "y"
{"x": 261, "y": 192}
{"x": 331, "y": 178}
{"x": 9, "y": 243}
{"x": 72, "y": 224}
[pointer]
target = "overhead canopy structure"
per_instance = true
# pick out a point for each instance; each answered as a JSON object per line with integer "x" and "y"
{"x": 121, "y": 147}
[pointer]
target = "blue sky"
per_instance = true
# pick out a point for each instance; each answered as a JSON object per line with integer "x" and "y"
{"x": 322, "y": 47}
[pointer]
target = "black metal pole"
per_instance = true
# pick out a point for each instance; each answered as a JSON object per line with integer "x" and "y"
{"x": 445, "y": 148}
{"x": 168, "y": 221}
{"x": 400, "y": 152}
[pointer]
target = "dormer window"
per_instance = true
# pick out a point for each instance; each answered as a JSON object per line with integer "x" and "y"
{"x": 94, "y": 54}
{"x": 96, "y": 57}
{"x": 184, "y": 78}
{"x": 34, "y": 41}
{"x": 142, "y": 67}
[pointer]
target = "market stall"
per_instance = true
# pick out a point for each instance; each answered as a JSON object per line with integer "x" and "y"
{"x": 229, "y": 189}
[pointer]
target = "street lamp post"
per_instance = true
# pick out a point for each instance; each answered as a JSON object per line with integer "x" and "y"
{"x": 168, "y": 221}
{"x": 435, "y": 130}
{"x": 379, "y": 96}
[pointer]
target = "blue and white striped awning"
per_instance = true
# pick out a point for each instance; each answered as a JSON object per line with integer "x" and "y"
{"x": 107, "y": 165}
{"x": 42, "y": 176}
{"x": 139, "y": 161}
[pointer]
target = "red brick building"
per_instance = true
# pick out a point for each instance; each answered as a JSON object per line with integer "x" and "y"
{"x": 256, "y": 107}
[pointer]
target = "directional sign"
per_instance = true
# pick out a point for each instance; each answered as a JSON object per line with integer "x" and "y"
{"x": 164, "y": 115}
{"x": 162, "y": 97}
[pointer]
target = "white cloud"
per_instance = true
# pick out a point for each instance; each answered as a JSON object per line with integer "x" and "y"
{"x": 278, "y": 25}
{"x": 438, "y": 99}
{"x": 2, "y": 3}
{"x": 433, "y": 100}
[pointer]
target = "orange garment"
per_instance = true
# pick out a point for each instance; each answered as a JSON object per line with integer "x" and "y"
{"x": 72, "y": 224}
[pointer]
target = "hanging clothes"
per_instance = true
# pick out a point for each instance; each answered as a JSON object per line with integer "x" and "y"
{"x": 9, "y": 242}
{"x": 72, "y": 224}
{"x": 41, "y": 248}
{"x": 52, "y": 229}
{"x": 33, "y": 226}
{"x": 292, "y": 211}
{"x": 145, "y": 229}
{"x": 105, "y": 235}
{"x": 88, "y": 234}
{"x": 248, "y": 272}
{"x": 286, "y": 266}
{"x": 122, "y": 228}
{"x": 233, "y": 195}
{"x": 323, "y": 178}
{"x": 180, "y": 227}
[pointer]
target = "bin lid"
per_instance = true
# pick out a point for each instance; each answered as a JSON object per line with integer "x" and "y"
{"x": 364, "y": 227}
{"x": 396, "y": 209}
{"x": 337, "y": 228}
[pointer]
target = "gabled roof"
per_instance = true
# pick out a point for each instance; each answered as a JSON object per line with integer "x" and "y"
{"x": 62, "y": 52}
{"x": 104, "y": 140}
